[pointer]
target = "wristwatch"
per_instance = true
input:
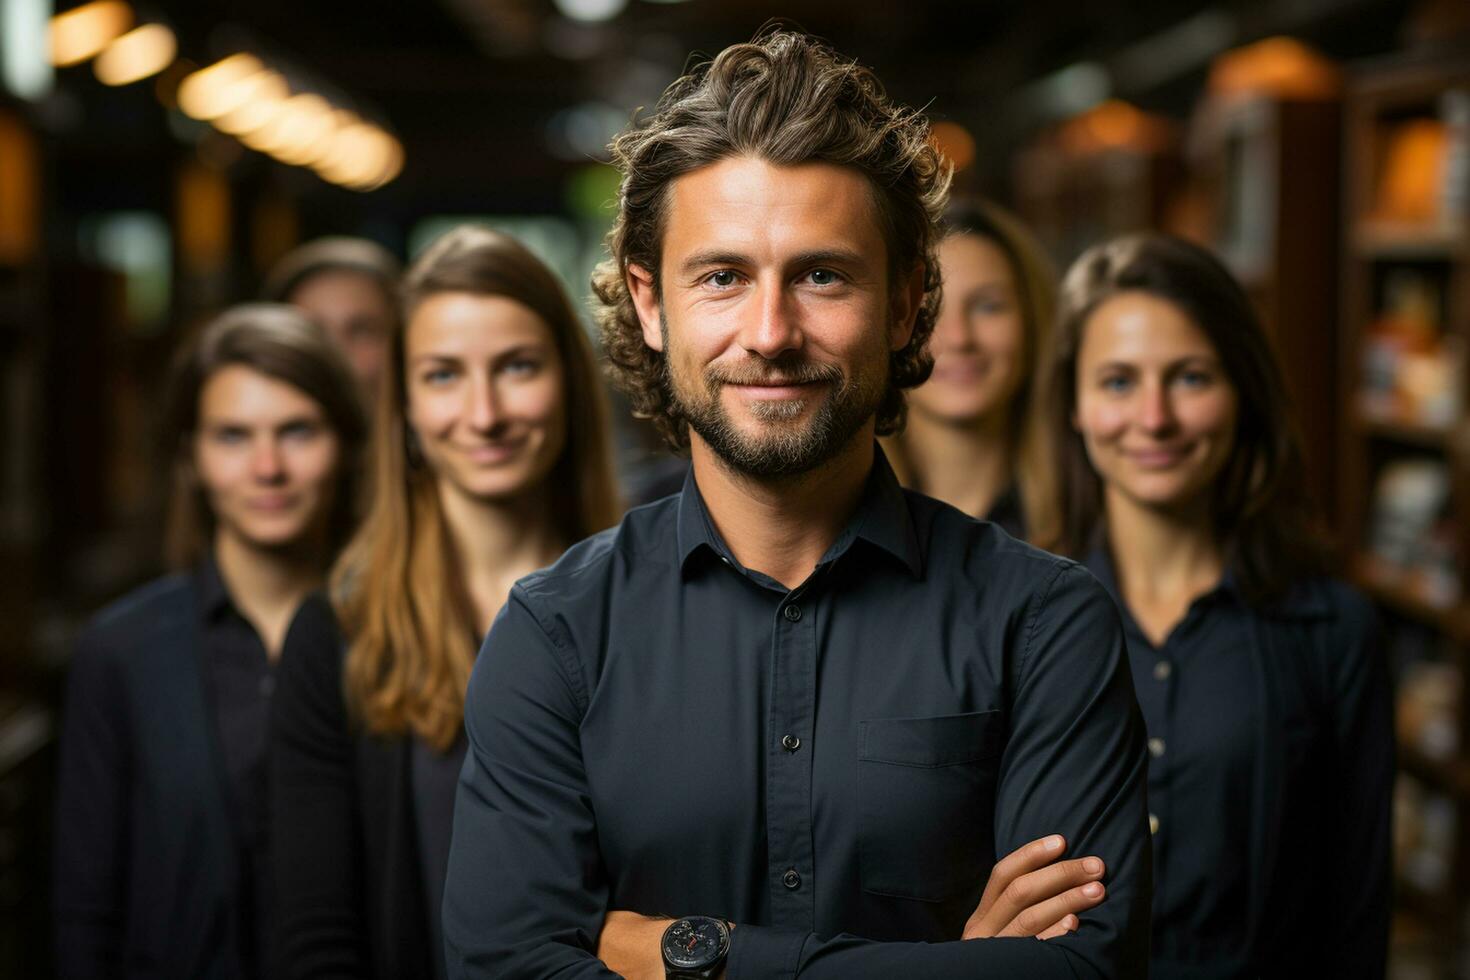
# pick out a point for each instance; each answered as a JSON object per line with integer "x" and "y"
{"x": 695, "y": 948}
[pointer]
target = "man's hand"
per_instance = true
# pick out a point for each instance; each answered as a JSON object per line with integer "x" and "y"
{"x": 1032, "y": 892}
{"x": 630, "y": 945}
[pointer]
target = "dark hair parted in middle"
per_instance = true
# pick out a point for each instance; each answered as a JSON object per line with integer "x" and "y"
{"x": 281, "y": 343}
{"x": 1262, "y": 512}
{"x": 788, "y": 99}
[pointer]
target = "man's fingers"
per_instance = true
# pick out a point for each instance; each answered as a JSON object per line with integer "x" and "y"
{"x": 1037, "y": 918}
{"x": 1039, "y": 886}
{"x": 1068, "y": 923}
{"x": 1024, "y": 859}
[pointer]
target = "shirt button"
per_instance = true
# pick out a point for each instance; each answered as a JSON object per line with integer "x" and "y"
{"x": 1155, "y": 747}
{"x": 791, "y": 879}
{"x": 790, "y": 743}
{"x": 1153, "y": 824}
{"x": 792, "y": 613}
{"x": 1162, "y": 670}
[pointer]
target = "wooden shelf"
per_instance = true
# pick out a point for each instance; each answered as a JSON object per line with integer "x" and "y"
{"x": 1385, "y": 240}
{"x": 1399, "y": 430}
{"x": 1403, "y": 598}
{"x": 1449, "y": 776}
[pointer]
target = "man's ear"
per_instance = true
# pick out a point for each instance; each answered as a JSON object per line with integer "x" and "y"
{"x": 908, "y": 300}
{"x": 646, "y": 302}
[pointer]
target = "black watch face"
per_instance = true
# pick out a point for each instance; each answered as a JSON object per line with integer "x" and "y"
{"x": 691, "y": 944}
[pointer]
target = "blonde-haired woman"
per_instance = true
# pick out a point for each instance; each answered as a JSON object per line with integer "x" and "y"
{"x": 492, "y": 455}
{"x": 974, "y": 438}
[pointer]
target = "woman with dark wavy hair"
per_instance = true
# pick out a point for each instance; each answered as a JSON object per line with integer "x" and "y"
{"x": 1262, "y": 680}
{"x": 491, "y": 456}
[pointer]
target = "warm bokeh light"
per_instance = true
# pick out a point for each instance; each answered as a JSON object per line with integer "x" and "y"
{"x": 136, "y": 55}
{"x": 1280, "y": 67}
{"x": 79, "y": 34}
{"x": 263, "y": 95}
{"x": 1409, "y": 185}
{"x": 1115, "y": 125}
{"x": 954, "y": 142}
{"x": 300, "y": 130}
{"x": 363, "y": 157}
{"x": 213, "y": 91}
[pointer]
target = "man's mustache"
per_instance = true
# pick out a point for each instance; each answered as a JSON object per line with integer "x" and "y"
{"x": 774, "y": 373}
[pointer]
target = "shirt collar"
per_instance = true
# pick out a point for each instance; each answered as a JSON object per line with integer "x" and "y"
{"x": 882, "y": 519}
{"x": 1099, "y": 562}
{"x": 214, "y": 597}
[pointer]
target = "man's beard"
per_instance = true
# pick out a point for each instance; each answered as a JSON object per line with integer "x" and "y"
{"x": 785, "y": 445}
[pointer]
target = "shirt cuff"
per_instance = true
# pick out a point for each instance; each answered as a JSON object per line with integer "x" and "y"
{"x": 764, "y": 953}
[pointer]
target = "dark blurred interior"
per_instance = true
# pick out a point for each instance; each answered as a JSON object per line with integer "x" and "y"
{"x": 1322, "y": 146}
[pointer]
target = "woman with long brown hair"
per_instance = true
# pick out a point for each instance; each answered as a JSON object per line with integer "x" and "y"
{"x": 491, "y": 456}
{"x": 162, "y": 843}
{"x": 974, "y": 436}
{"x": 1262, "y": 681}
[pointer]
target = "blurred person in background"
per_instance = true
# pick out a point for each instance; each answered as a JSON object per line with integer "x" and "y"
{"x": 492, "y": 455}
{"x": 348, "y": 285}
{"x": 162, "y": 844}
{"x": 1262, "y": 682}
{"x": 975, "y": 437}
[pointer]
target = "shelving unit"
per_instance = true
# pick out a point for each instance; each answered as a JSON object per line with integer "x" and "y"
{"x": 1425, "y": 607}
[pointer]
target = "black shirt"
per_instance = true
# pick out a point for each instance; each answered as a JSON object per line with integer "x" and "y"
{"x": 241, "y": 681}
{"x": 1238, "y": 699}
{"x": 1006, "y": 511}
{"x": 435, "y": 777}
{"x": 835, "y": 768}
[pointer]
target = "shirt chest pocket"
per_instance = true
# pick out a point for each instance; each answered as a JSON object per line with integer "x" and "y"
{"x": 926, "y": 789}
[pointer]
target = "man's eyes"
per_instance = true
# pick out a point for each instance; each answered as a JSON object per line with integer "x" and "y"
{"x": 726, "y": 278}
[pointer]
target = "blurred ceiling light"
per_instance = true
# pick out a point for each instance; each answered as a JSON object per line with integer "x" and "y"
{"x": 139, "y": 53}
{"x": 300, "y": 129}
{"x": 216, "y": 90}
{"x": 359, "y": 153}
{"x": 954, "y": 142}
{"x": 264, "y": 92}
{"x": 81, "y": 33}
{"x": 25, "y": 68}
{"x": 391, "y": 168}
{"x": 591, "y": 10}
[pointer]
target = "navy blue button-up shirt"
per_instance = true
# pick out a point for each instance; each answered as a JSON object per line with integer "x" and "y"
{"x": 834, "y": 768}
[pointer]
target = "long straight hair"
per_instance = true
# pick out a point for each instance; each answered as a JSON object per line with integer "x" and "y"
{"x": 281, "y": 343}
{"x": 1035, "y": 280}
{"x": 1264, "y": 516}
{"x": 398, "y": 590}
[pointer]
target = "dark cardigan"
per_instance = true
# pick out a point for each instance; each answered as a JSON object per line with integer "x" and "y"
{"x": 148, "y": 874}
{"x": 350, "y": 899}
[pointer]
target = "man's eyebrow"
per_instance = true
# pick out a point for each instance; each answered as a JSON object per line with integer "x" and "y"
{"x": 820, "y": 256}
{"x": 827, "y": 256}
{"x": 709, "y": 257}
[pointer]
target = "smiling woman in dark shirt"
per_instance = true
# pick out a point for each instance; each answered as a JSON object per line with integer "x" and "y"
{"x": 1262, "y": 682}
{"x": 161, "y": 845}
{"x": 492, "y": 455}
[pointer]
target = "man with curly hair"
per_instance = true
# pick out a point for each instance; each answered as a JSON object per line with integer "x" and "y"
{"x": 795, "y": 707}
